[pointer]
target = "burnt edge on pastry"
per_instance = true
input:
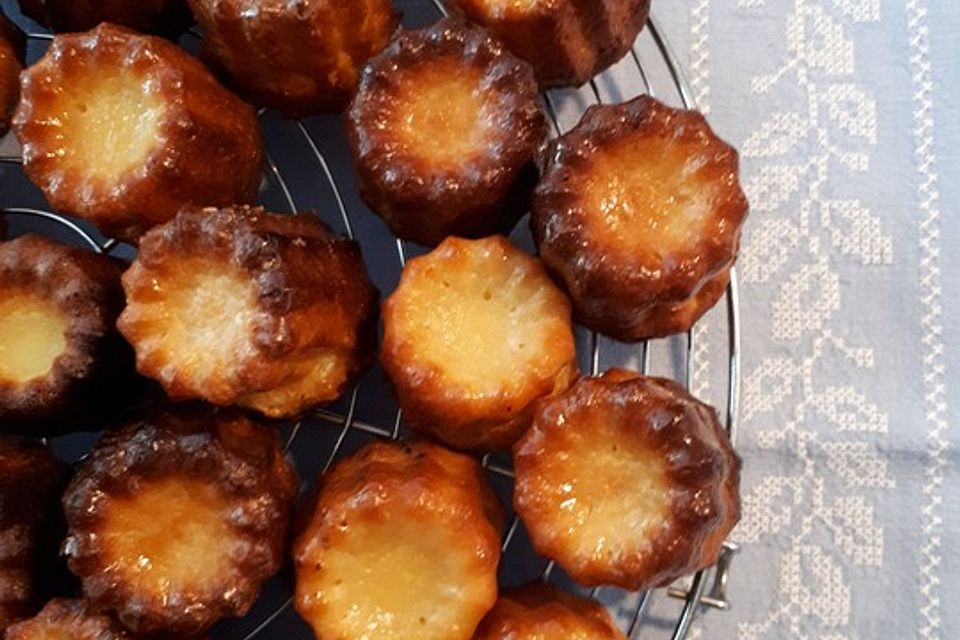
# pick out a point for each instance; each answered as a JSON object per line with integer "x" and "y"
{"x": 280, "y": 253}
{"x": 566, "y": 41}
{"x": 163, "y": 17}
{"x": 303, "y": 51}
{"x": 704, "y": 477}
{"x": 243, "y": 459}
{"x": 96, "y": 367}
{"x": 208, "y": 150}
{"x": 13, "y": 50}
{"x": 634, "y": 300}
{"x": 31, "y": 526}
{"x": 479, "y": 198}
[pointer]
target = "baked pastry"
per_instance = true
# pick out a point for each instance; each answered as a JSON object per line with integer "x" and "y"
{"x": 399, "y": 540}
{"x": 444, "y": 129}
{"x": 542, "y": 612}
{"x": 31, "y": 524}
{"x": 474, "y": 334}
{"x": 60, "y": 355}
{"x": 125, "y": 129}
{"x": 68, "y": 619}
{"x": 165, "y": 17}
{"x": 638, "y": 215}
{"x": 298, "y": 57}
{"x": 240, "y": 306}
{"x": 627, "y": 480}
{"x": 12, "y": 50}
{"x": 176, "y": 521}
{"x": 567, "y": 41}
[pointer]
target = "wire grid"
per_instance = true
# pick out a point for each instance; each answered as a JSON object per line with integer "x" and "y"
{"x": 707, "y": 587}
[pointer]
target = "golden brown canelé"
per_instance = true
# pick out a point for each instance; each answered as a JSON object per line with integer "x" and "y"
{"x": 63, "y": 619}
{"x": 542, "y": 612}
{"x": 474, "y": 334}
{"x": 240, "y": 306}
{"x": 12, "y": 50}
{"x": 399, "y": 539}
{"x": 61, "y": 358}
{"x": 174, "y": 522}
{"x": 298, "y": 57}
{"x": 566, "y": 41}
{"x": 627, "y": 480}
{"x": 165, "y": 17}
{"x": 444, "y": 130}
{"x": 125, "y": 129}
{"x": 638, "y": 215}
{"x": 31, "y": 526}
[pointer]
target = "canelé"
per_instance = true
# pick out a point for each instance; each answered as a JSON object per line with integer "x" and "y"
{"x": 175, "y": 521}
{"x": 125, "y": 129}
{"x": 399, "y": 540}
{"x": 543, "y": 612}
{"x": 12, "y": 51}
{"x": 61, "y": 358}
{"x": 638, "y": 215}
{"x": 298, "y": 57}
{"x": 238, "y": 306}
{"x": 627, "y": 480}
{"x": 63, "y": 619}
{"x": 165, "y": 17}
{"x": 444, "y": 130}
{"x": 31, "y": 526}
{"x": 474, "y": 334}
{"x": 567, "y": 41}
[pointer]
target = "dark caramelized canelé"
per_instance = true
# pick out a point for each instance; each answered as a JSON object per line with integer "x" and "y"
{"x": 165, "y": 17}
{"x": 125, "y": 129}
{"x": 475, "y": 333}
{"x": 627, "y": 480}
{"x": 401, "y": 539}
{"x": 243, "y": 307}
{"x": 299, "y": 57}
{"x": 31, "y": 526}
{"x": 638, "y": 215}
{"x": 543, "y": 612}
{"x": 176, "y": 521}
{"x": 444, "y": 130}
{"x": 567, "y": 41}
{"x": 61, "y": 358}
{"x": 12, "y": 50}
{"x": 63, "y": 619}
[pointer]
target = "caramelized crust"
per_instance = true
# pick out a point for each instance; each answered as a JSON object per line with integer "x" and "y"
{"x": 60, "y": 355}
{"x": 627, "y": 480}
{"x": 166, "y": 17}
{"x": 63, "y": 619}
{"x": 30, "y": 526}
{"x": 240, "y": 306}
{"x": 542, "y": 612}
{"x": 567, "y": 41}
{"x": 639, "y": 215}
{"x": 124, "y": 130}
{"x": 444, "y": 130}
{"x": 12, "y": 50}
{"x": 299, "y": 57}
{"x": 474, "y": 334}
{"x": 175, "y": 522}
{"x": 398, "y": 539}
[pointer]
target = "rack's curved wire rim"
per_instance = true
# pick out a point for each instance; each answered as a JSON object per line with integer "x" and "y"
{"x": 695, "y": 595}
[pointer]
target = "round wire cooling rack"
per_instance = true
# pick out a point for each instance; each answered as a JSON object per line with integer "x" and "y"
{"x": 308, "y": 167}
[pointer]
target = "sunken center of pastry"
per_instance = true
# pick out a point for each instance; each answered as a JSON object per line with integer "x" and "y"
{"x": 644, "y": 194}
{"x": 32, "y": 335}
{"x": 170, "y": 534}
{"x": 387, "y": 580}
{"x": 440, "y": 112}
{"x": 110, "y": 123}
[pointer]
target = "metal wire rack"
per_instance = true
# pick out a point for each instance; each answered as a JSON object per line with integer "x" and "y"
{"x": 273, "y": 615}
